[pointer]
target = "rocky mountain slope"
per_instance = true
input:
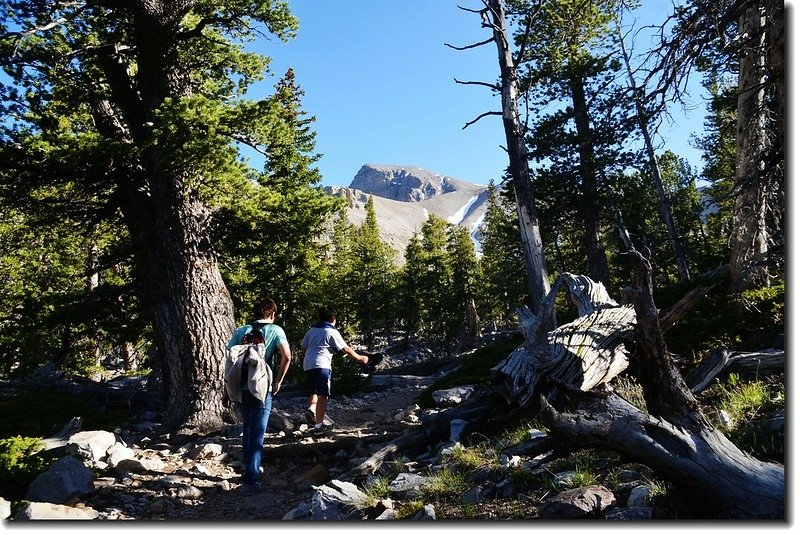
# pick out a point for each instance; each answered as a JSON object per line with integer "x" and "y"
{"x": 404, "y": 196}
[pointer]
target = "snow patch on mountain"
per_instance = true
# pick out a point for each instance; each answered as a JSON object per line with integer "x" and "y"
{"x": 458, "y": 217}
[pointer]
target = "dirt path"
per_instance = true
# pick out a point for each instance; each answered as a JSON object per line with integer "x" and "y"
{"x": 292, "y": 464}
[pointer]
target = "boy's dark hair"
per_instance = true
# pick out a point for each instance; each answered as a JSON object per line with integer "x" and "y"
{"x": 326, "y": 313}
{"x": 263, "y": 307}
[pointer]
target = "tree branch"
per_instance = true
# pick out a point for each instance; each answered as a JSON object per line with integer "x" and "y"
{"x": 479, "y": 117}
{"x": 485, "y": 84}
{"x": 474, "y": 45}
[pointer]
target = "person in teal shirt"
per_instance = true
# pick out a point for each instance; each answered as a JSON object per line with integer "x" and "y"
{"x": 255, "y": 414}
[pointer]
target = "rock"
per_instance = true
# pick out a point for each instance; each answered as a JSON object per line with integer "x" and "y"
{"x": 640, "y": 496}
{"x": 206, "y": 451}
{"x": 452, "y": 396}
{"x": 427, "y": 513}
{"x": 402, "y": 183}
{"x": 92, "y": 445}
{"x": 407, "y": 485}
{"x": 630, "y": 513}
{"x": 510, "y": 462}
{"x": 564, "y": 479}
{"x": 301, "y": 512}
{"x": 582, "y": 502}
{"x": 67, "y": 478}
{"x": 406, "y": 413}
{"x": 5, "y": 508}
{"x": 130, "y": 466}
{"x": 624, "y": 476}
{"x": 337, "y": 500}
{"x": 52, "y": 511}
{"x": 457, "y": 427}
{"x": 389, "y": 514}
{"x": 189, "y": 492}
{"x": 506, "y": 489}
{"x": 475, "y": 495}
{"x": 724, "y": 419}
{"x": 117, "y": 453}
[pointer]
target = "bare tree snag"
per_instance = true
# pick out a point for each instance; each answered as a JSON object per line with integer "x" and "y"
{"x": 581, "y": 355}
{"x": 666, "y": 210}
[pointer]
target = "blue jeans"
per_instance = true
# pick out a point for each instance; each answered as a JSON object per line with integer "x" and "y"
{"x": 255, "y": 417}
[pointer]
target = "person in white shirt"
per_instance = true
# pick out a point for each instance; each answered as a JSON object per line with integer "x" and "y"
{"x": 321, "y": 343}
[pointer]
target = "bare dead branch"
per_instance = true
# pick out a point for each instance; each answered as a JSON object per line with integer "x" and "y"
{"x": 485, "y": 84}
{"x": 479, "y": 117}
{"x": 467, "y": 47}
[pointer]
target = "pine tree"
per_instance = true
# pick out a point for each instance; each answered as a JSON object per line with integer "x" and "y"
{"x": 465, "y": 270}
{"x": 372, "y": 277}
{"x": 139, "y": 105}
{"x": 503, "y": 273}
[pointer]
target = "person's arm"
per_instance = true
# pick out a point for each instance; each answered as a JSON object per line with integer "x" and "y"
{"x": 355, "y": 356}
{"x": 286, "y": 359}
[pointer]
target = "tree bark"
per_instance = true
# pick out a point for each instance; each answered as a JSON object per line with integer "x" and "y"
{"x": 189, "y": 304}
{"x": 535, "y": 263}
{"x": 592, "y": 241}
{"x": 749, "y": 232}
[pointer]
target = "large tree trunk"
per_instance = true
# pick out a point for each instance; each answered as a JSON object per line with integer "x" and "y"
{"x": 535, "y": 264}
{"x": 749, "y": 232}
{"x": 190, "y": 307}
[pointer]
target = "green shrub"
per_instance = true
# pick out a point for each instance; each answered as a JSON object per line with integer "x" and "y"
{"x": 41, "y": 413}
{"x": 747, "y": 404}
{"x": 19, "y": 465}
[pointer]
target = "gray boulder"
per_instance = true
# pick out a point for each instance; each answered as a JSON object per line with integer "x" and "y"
{"x": 452, "y": 396}
{"x": 52, "y": 511}
{"x": 337, "y": 500}
{"x": 68, "y": 477}
{"x": 640, "y": 496}
{"x": 92, "y": 445}
{"x": 427, "y": 513}
{"x": 5, "y": 508}
{"x": 582, "y": 502}
{"x": 407, "y": 484}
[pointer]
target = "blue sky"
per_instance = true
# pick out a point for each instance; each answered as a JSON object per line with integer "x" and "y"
{"x": 380, "y": 81}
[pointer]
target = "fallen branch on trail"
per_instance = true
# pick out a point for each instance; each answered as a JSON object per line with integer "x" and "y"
{"x": 722, "y": 361}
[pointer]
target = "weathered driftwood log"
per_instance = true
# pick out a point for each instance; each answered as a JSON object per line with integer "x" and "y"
{"x": 721, "y": 361}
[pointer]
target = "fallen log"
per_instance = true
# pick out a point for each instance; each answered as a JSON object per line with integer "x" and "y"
{"x": 722, "y": 361}
{"x": 701, "y": 460}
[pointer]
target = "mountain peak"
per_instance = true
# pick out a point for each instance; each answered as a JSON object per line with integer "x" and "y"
{"x": 406, "y": 183}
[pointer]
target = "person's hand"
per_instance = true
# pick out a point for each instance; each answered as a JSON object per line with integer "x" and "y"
{"x": 276, "y": 388}
{"x": 363, "y": 359}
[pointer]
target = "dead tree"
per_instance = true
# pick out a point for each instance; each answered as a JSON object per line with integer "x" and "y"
{"x": 655, "y": 168}
{"x": 493, "y": 17}
{"x": 673, "y": 437}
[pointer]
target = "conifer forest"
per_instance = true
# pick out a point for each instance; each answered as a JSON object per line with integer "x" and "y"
{"x": 134, "y": 237}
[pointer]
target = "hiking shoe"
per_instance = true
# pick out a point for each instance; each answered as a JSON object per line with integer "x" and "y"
{"x": 311, "y": 419}
{"x": 321, "y": 430}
